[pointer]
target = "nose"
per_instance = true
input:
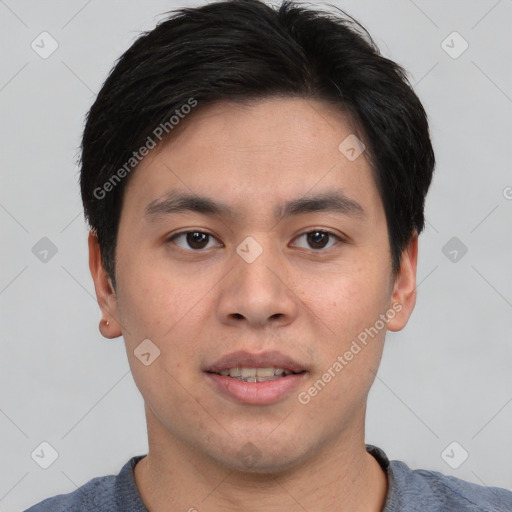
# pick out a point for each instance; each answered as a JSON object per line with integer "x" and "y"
{"x": 259, "y": 292}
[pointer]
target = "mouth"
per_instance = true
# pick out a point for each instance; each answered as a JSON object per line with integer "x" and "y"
{"x": 247, "y": 374}
{"x": 256, "y": 379}
{"x": 255, "y": 367}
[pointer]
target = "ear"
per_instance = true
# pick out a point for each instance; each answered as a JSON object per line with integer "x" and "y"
{"x": 105, "y": 292}
{"x": 404, "y": 287}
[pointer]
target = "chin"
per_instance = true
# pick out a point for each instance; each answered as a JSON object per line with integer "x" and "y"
{"x": 263, "y": 457}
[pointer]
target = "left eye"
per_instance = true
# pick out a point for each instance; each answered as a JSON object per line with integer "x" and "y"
{"x": 318, "y": 239}
{"x": 194, "y": 239}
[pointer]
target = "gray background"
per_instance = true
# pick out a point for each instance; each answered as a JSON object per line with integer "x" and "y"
{"x": 445, "y": 378}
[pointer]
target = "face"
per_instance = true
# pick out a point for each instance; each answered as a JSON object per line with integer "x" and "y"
{"x": 284, "y": 263}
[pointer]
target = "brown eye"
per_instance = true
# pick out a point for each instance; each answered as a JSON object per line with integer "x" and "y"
{"x": 195, "y": 240}
{"x": 318, "y": 239}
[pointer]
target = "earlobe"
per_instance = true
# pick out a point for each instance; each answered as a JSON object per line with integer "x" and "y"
{"x": 403, "y": 299}
{"x": 105, "y": 293}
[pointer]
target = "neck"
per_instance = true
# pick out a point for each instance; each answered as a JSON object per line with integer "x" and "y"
{"x": 341, "y": 476}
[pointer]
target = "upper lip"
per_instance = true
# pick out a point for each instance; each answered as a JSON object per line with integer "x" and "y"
{"x": 246, "y": 359}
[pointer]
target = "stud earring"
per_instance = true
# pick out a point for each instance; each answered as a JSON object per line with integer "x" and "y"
{"x": 107, "y": 323}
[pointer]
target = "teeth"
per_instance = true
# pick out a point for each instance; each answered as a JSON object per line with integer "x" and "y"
{"x": 265, "y": 372}
{"x": 248, "y": 372}
{"x": 255, "y": 374}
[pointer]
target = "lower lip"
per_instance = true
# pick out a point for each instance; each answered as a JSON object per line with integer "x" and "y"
{"x": 256, "y": 393}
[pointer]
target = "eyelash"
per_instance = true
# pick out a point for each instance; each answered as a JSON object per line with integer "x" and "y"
{"x": 322, "y": 249}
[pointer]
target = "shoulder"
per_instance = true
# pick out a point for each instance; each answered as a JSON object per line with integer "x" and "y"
{"x": 425, "y": 490}
{"x": 97, "y": 494}
{"x": 101, "y": 494}
{"x": 421, "y": 490}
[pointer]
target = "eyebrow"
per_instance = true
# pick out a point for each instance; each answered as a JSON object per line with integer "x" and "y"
{"x": 176, "y": 202}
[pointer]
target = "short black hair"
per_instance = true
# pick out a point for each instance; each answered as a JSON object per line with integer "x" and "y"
{"x": 243, "y": 50}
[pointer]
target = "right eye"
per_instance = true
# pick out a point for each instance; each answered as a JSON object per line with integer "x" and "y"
{"x": 196, "y": 240}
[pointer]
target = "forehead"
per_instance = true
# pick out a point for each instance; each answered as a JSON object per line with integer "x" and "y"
{"x": 259, "y": 154}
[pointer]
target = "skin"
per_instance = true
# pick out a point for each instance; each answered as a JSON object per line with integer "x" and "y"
{"x": 196, "y": 305}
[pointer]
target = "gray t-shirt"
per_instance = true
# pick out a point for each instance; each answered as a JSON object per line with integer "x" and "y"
{"x": 408, "y": 490}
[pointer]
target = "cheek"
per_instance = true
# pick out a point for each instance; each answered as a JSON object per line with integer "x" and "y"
{"x": 166, "y": 311}
{"x": 350, "y": 300}
{"x": 153, "y": 294}
{"x": 349, "y": 306}
{"x": 166, "y": 304}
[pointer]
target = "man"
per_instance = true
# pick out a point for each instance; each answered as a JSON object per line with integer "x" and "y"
{"x": 254, "y": 179}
